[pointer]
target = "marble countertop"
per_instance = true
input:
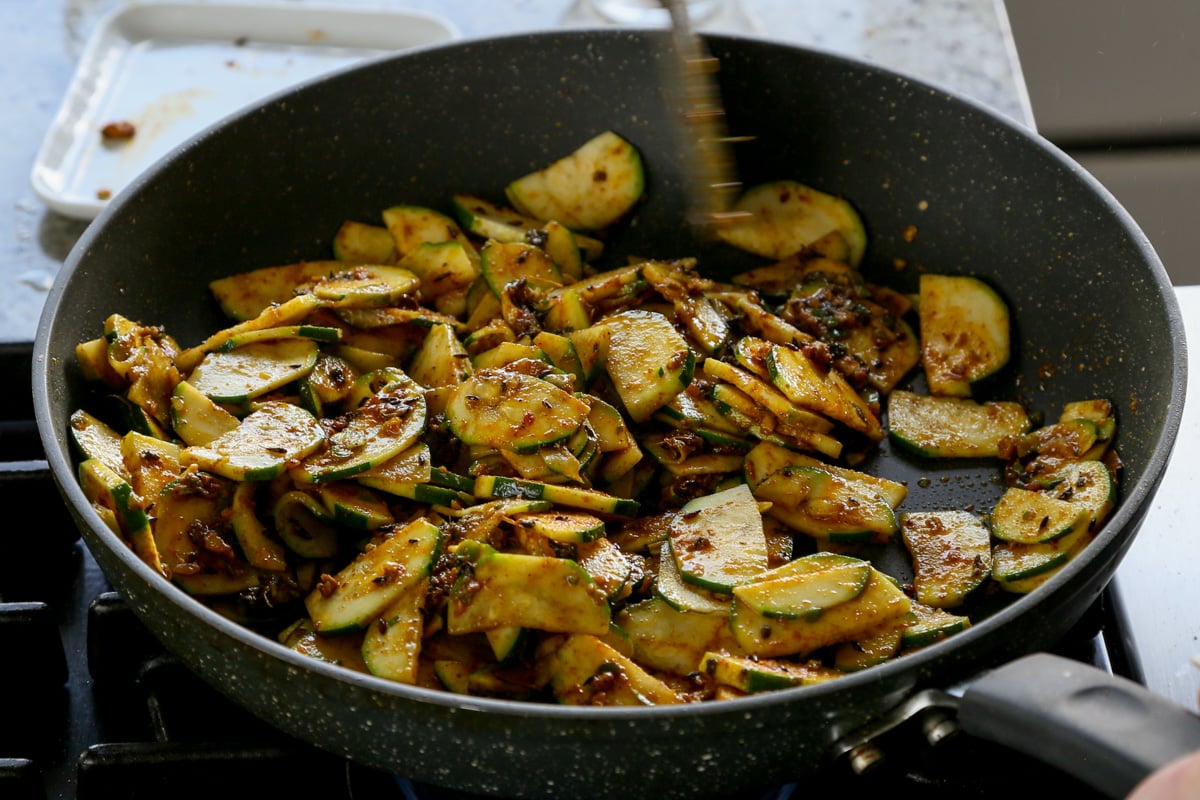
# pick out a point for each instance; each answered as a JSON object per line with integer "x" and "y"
{"x": 964, "y": 46}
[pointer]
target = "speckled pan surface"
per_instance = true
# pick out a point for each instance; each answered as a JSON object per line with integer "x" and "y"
{"x": 1093, "y": 309}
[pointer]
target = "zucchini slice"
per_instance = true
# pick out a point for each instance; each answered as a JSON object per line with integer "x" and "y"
{"x": 717, "y": 540}
{"x": 501, "y": 263}
{"x": 305, "y": 525}
{"x": 364, "y": 286}
{"x": 931, "y": 625}
{"x": 96, "y": 439}
{"x": 951, "y": 553}
{"x": 412, "y": 226}
{"x": 391, "y": 646}
{"x": 823, "y": 391}
{"x": 441, "y": 360}
{"x": 384, "y": 426}
{"x": 965, "y": 332}
{"x": 262, "y": 446}
{"x": 513, "y": 589}
{"x": 506, "y": 409}
{"x": 805, "y": 595}
{"x": 589, "y": 189}
{"x": 752, "y": 674}
{"x": 574, "y": 669}
{"x": 362, "y": 590}
{"x": 648, "y": 361}
{"x": 444, "y": 268}
{"x": 674, "y": 641}
{"x": 827, "y": 506}
{"x": 1024, "y": 516}
{"x": 253, "y": 370}
{"x": 500, "y": 487}
{"x": 196, "y": 418}
{"x": 680, "y": 595}
{"x": 787, "y": 216}
{"x": 246, "y": 295}
{"x": 360, "y": 243}
{"x": 952, "y": 427}
{"x": 573, "y": 527}
{"x": 880, "y": 602}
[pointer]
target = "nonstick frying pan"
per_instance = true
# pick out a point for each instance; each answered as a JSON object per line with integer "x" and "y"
{"x": 943, "y": 184}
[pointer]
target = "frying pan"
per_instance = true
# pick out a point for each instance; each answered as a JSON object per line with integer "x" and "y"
{"x": 1094, "y": 315}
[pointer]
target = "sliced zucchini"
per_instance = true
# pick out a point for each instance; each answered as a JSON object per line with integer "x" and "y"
{"x": 648, "y": 361}
{"x": 354, "y": 506}
{"x": 253, "y": 370}
{"x": 364, "y": 588}
{"x": 952, "y": 427}
{"x": 345, "y": 651}
{"x": 674, "y": 641}
{"x": 502, "y": 263}
{"x": 360, "y": 243}
{"x": 717, "y": 540}
{"x": 196, "y": 418}
{"x": 767, "y": 458}
{"x": 965, "y": 332}
{"x": 931, "y": 626}
{"x": 680, "y": 595}
{"x": 951, "y": 553}
{"x": 830, "y": 507}
{"x": 823, "y": 391}
{"x": 752, "y": 674}
{"x": 880, "y": 602}
{"x": 589, "y": 189}
{"x": 445, "y": 268}
{"x": 805, "y": 595}
{"x": 305, "y": 525}
{"x": 1023, "y": 516}
{"x": 585, "y": 670}
{"x": 106, "y": 489}
{"x": 246, "y": 295}
{"x": 872, "y": 649}
{"x": 787, "y": 216}
{"x": 365, "y": 286}
{"x": 412, "y": 226}
{"x": 506, "y": 409}
{"x": 573, "y": 527}
{"x": 441, "y": 360}
{"x": 263, "y": 444}
{"x": 261, "y": 549}
{"x": 391, "y": 646}
{"x": 381, "y": 428}
{"x": 96, "y": 439}
{"x": 497, "y": 486}
{"x": 512, "y": 589}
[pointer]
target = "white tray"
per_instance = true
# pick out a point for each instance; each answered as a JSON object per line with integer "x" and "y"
{"x": 173, "y": 69}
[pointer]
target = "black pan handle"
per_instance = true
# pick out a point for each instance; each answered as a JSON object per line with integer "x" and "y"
{"x": 1106, "y": 730}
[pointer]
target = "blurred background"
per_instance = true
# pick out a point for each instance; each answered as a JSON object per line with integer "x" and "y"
{"x": 1116, "y": 83}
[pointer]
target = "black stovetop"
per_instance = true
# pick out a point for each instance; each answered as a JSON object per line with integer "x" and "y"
{"x": 93, "y": 707}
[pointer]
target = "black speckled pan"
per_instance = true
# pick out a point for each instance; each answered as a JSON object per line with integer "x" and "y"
{"x": 1095, "y": 316}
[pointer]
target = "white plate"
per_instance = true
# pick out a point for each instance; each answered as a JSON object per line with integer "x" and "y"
{"x": 173, "y": 69}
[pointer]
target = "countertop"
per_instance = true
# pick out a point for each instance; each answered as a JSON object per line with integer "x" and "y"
{"x": 964, "y": 46}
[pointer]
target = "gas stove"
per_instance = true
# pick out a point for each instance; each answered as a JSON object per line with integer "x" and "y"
{"x": 96, "y": 708}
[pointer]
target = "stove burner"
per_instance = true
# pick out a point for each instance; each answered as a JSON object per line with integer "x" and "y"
{"x": 96, "y": 708}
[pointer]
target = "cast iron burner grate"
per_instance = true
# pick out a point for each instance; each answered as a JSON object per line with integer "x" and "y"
{"x": 94, "y": 708}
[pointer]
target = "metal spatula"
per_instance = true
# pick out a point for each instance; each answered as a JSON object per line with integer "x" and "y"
{"x": 691, "y": 87}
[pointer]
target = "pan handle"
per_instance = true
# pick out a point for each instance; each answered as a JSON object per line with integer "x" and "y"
{"x": 1106, "y": 730}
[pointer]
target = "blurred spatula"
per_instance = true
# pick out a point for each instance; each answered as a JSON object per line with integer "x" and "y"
{"x": 691, "y": 87}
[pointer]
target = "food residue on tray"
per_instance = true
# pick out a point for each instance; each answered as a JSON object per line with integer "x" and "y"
{"x": 119, "y": 130}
